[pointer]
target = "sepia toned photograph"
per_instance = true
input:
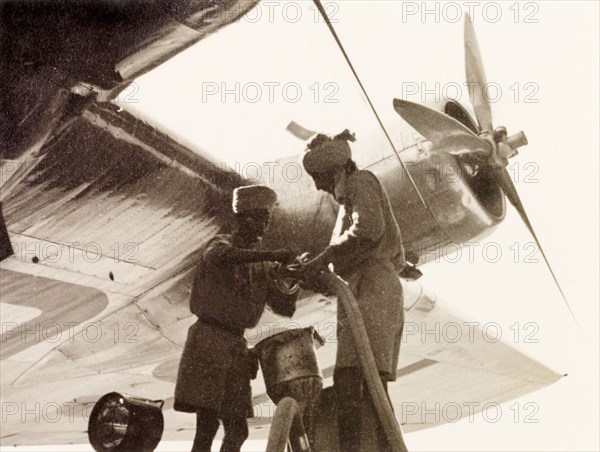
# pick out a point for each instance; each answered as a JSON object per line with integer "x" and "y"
{"x": 312, "y": 225}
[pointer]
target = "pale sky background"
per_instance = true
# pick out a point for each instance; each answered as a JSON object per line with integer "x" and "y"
{"x": 550, "y": 51}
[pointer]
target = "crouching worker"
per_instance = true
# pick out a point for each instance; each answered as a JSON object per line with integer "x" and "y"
{"x": 231, "y": 287}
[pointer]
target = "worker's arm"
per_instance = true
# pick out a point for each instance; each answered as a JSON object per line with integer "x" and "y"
{"x": 366, "y": 207}
{"x": 223, "y": 252}
{"x": 368, "y": 224}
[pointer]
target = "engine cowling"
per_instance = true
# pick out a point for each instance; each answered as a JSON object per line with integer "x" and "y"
{"x": 439, "y": 200}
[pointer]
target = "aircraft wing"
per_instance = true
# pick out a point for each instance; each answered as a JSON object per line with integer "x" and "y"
{"x": 448, "y": 370}
{"x": 106, "y": 215}
{"x": 59, "y": 57}
{"x": 105, "y": 227}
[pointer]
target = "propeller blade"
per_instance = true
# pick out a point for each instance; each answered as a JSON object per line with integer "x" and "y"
{"x": 476, "y": 79}
{"x": 506, "y": 184}
{"x": 298, "y": 131}
{"x": 442, "y": 130}
{"x": 508, "y": 187}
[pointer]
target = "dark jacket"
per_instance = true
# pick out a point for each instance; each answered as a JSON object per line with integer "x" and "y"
{"x": 216, "y": 367}
{"x": 368, "y": 252}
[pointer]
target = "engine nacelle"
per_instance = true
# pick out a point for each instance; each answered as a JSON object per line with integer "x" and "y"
{"x": 439, "y": 200}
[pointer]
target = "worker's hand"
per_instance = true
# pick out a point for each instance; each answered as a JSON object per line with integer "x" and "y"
{"x": 410, "y": 272}
{"x": 317, "y": 284}
{"x": 304, "y": 257}
{"x": 285, "y": 255}
{"x": 297, "y": 264}
{"x": 311, "y": 269}
{"x": 288, "y": 271}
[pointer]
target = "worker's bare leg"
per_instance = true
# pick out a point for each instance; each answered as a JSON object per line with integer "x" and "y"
{"x": 351, "y": 390}
{"x": 207, "y": 424}
{"x": 236, "y": 432}
{"x": 348, "y": 387}
{"x": 382, "y": 440}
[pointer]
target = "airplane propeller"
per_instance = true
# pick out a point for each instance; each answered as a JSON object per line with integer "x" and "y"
{"x": 506, "y": 146}
{"x": 492, "y": 147}
{"x": 476, "y": 78}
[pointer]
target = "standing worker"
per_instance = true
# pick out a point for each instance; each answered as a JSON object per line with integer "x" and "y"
{"x": 233, "y": 282}
{"x": 366, "y": 250}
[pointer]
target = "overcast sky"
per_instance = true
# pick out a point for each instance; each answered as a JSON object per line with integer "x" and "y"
{"x": 232, "y": 95}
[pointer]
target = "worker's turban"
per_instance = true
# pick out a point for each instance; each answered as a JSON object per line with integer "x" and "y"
{"x": 325, "y": 154}
{"x": 253, "y": 197}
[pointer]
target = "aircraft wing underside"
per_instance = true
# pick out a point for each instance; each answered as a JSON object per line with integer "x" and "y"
{"x": 50, "y": 382}
{"x": 105, "y": 227}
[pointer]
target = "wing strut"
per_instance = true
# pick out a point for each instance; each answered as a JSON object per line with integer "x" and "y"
{"x": 339, "y": 43}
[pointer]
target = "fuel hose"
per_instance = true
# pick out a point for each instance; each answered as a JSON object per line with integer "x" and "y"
{"x": 367, "y": 361}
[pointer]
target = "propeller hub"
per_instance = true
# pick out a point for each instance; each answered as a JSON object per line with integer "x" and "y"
{"x": 504, "y": 146}
{"x": 500, "y": 134}
{"x": 517, "y": 140}
{"x": 498, "y": 156}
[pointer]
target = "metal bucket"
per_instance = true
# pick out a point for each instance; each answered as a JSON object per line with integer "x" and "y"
{"x": 125, "y": 424}
{"x": 289, "y": 364}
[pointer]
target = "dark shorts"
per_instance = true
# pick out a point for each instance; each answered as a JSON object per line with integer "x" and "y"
{"x": 378, "y": 292}
{"x": 215, "y": 373}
